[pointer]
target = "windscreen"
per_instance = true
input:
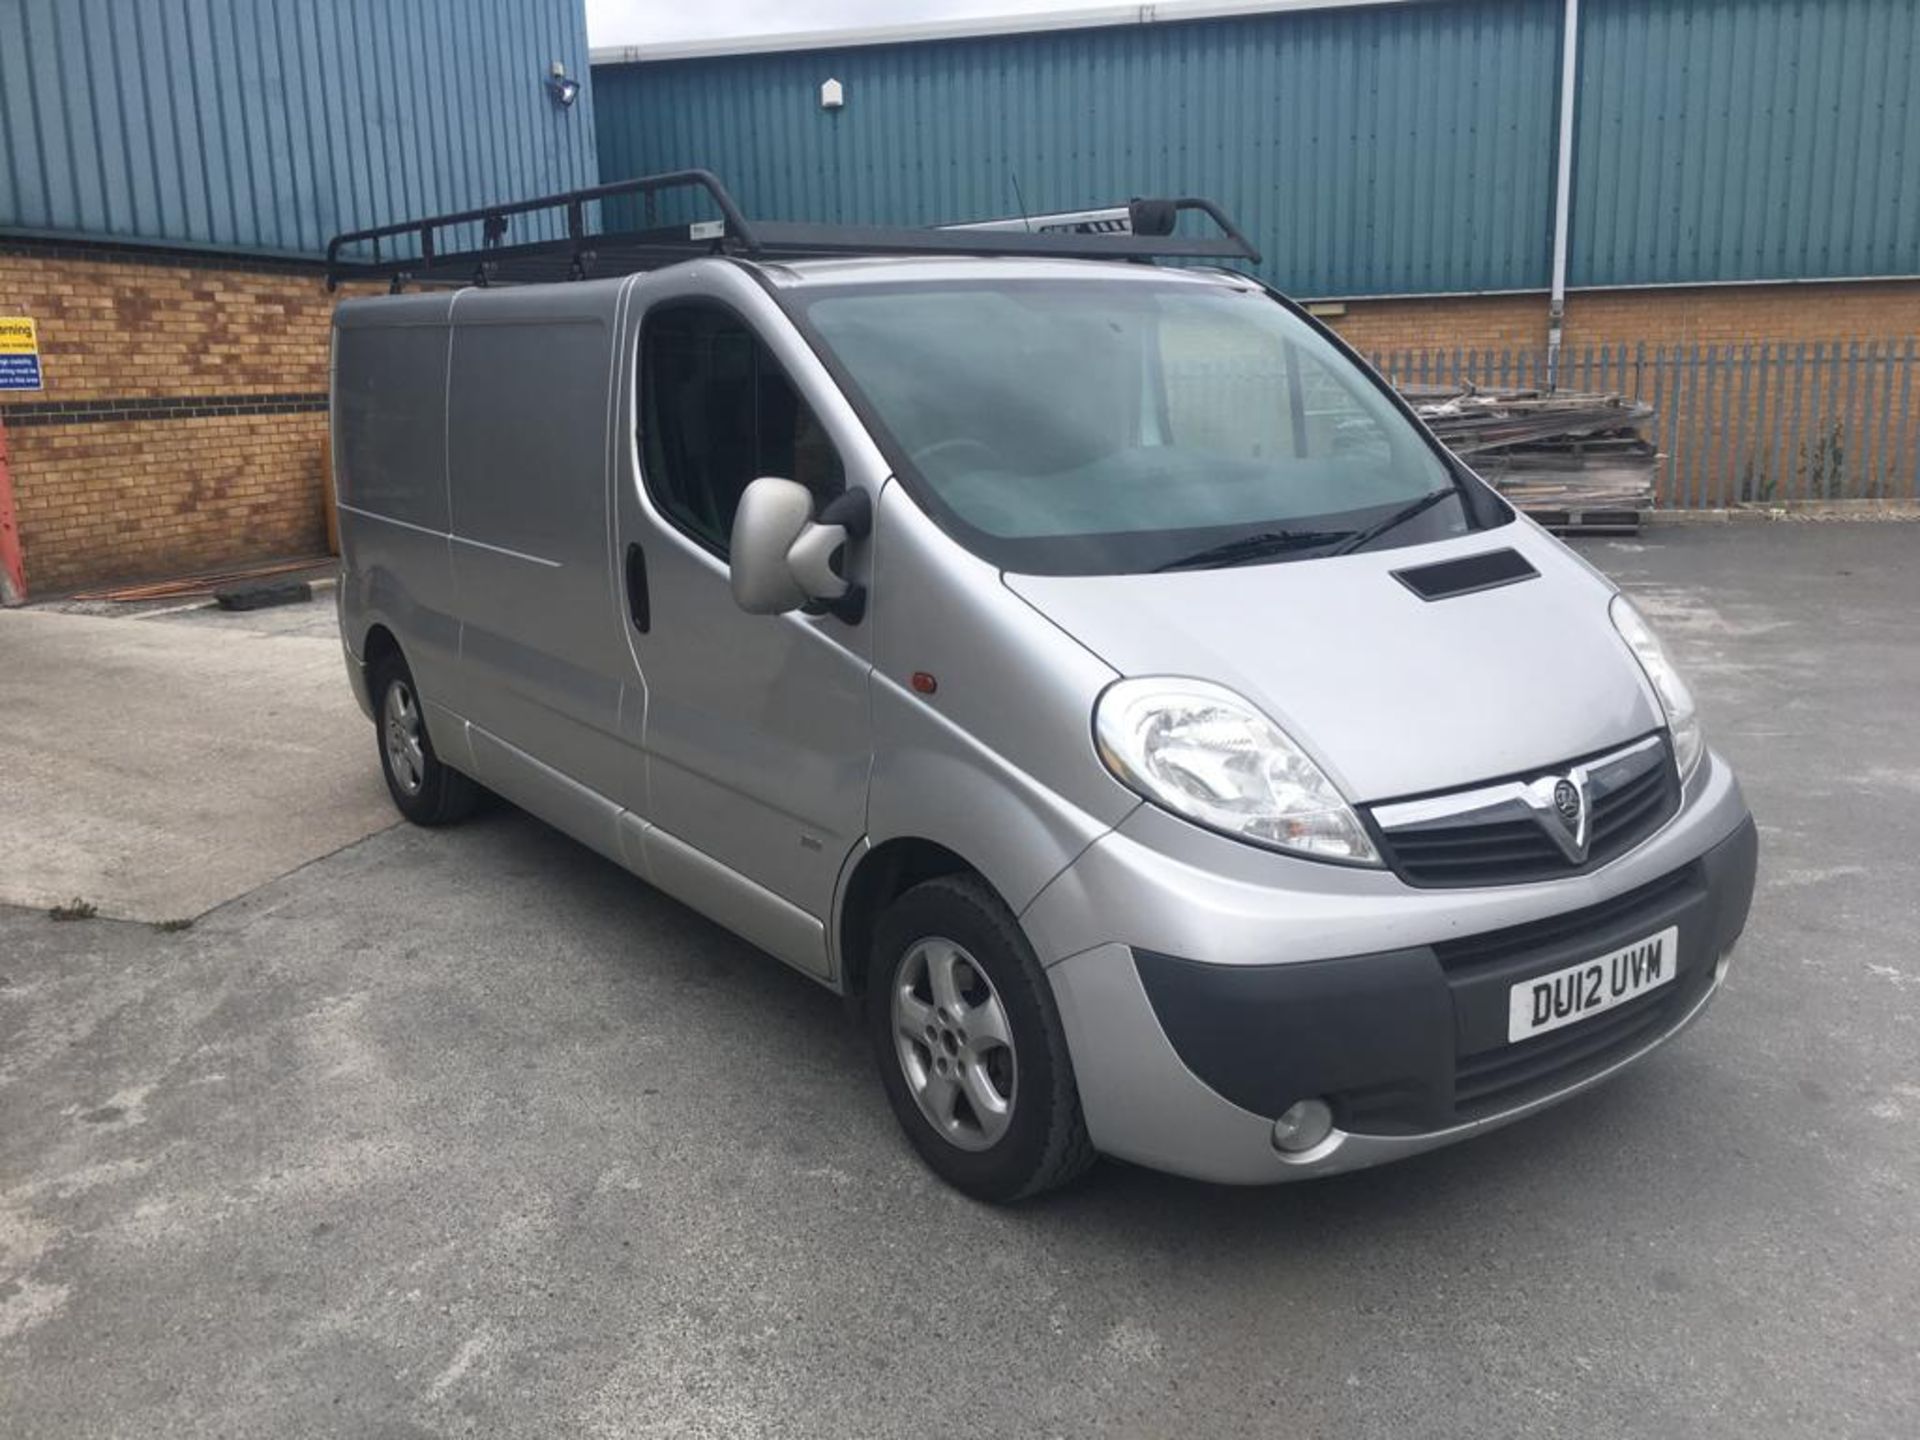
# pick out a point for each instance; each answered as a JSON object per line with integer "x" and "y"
{"x": 1100, "y": 426}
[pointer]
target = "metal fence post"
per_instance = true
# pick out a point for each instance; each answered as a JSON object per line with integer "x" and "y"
{"x": 1872, "y": 456}
{"x": 1798, "y": 444}
{"x": 1906, "y": 419}
{"x": 1813, "y": 437}
{"x": 1741, "y": 461}
{"x": 1691, "y": 442}
{"x": 1882, "y": 481}
{"x": 1723, "y": 480}
{"x": 1662, "y": 426}
{"x": 1775, "y": 487}
{"x": 1854, "y": 454}
{"x": 1830, "y": 441}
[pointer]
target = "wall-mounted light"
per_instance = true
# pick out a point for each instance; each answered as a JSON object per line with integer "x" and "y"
{"x": 832, "y": 95}
{"x": 562, "y": 87}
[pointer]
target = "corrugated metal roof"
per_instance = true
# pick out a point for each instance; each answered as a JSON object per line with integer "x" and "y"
{"x": 270, "y": 125}
{"x": 1746, "y": 140}
{"x": 1386, "y": 149}
{"x": 1156, "y": 12}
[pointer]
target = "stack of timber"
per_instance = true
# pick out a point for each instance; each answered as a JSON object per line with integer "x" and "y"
{"x": 1575, "y": 462}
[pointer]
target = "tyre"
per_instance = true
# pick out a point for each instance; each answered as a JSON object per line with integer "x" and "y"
{"x": 969, "y": 1043}
{"x": 423, "y": 789}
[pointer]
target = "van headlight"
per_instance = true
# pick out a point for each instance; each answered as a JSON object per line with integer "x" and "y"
{"x": 1206, "y": 754}
{"x": 1676, "y": 700}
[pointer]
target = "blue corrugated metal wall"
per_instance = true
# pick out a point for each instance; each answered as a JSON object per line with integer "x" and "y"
{"x": 272, "y": 124}
{"x": 1746, "y": 140}
{"x": 1370, "y": 151}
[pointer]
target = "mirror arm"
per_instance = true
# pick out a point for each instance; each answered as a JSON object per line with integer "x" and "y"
{"x": 851, "y": 513}
{"x": 849, "y": 607}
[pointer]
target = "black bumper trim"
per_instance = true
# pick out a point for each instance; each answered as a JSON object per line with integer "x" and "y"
{"x": 1402, "y": 1043}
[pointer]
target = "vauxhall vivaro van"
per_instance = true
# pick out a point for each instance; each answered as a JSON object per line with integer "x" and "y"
{"x": 1090, "y": 667}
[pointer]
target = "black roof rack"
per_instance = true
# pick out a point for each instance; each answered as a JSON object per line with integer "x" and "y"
{"x": 577, "y": 244}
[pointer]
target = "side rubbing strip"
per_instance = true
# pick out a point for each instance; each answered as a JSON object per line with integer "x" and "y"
{"x": 1486, "y": 571}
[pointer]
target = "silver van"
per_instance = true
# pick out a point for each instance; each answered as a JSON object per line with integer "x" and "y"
{"x": 1090, "y": 668}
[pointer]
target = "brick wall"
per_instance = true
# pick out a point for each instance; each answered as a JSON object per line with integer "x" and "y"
{"x": 1717, "y": 315}
{"x": 1493, "y": 322}
{"x": 1684, "y": 315}
{"x": 182, "y": 422}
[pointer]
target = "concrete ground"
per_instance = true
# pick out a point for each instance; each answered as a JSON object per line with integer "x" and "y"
{"x": 162, "y": 760}
{"x": 467, "y": 1133}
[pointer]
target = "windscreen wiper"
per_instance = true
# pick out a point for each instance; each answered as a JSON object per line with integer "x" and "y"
{"x": 1399, "y": 517}
{"x": 1253, "y": 547}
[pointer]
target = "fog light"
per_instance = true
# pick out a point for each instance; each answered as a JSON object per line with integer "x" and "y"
{"x": 1302, "y": 1126}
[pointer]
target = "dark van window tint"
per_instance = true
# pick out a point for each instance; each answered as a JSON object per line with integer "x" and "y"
{"x": 716, "y": 413}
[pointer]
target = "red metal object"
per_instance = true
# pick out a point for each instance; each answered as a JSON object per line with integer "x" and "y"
{"x": 13, "y": 571}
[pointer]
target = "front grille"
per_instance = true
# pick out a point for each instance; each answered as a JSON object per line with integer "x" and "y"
{"x": 1500, "y": 1079}
{"x": 1488, "y": 1075}
{"x": 1511, "y": 847}
{"x": 1634, "y": 811}
{"x": 1623, "y": 916}
{"x": 1502, "y": 853}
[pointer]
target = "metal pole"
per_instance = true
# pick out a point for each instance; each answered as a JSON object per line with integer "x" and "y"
{"x": 13, "y": 575}
{"x": 1688, "y": 438}
{"x": 1853, "y": 449}
{"x": 1562, "y": 190}
{"x": 1746, "y": 457}
{"x": 1906, "y": 416}
{"x": 1725, "y": 490}
{"x": 1882, "y": 474}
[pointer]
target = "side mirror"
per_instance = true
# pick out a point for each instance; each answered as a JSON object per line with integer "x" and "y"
{"x": 782, "y": 558}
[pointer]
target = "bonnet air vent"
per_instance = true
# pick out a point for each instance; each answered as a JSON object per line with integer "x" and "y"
{"x": 1486, "y": 571}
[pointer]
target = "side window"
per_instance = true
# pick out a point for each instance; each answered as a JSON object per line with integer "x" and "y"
{"x": 716, "y": 413}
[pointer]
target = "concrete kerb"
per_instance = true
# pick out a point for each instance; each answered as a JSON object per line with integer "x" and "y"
{"x": 1793, "y": 511}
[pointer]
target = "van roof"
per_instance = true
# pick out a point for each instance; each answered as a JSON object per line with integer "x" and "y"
{"x": 587, "y": 234}
{"x": 933, "y": 270}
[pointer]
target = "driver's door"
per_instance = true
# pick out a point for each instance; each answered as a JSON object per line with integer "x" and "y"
{"x": 756, "y": 728}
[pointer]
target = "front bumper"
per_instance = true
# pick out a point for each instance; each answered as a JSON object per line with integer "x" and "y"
{"x": 1184, "y": 1064}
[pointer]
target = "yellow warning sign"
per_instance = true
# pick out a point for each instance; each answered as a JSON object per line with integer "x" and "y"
{"x": 19, "y": 353}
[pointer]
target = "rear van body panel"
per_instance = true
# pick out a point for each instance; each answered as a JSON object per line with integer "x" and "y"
{"x": 389, "y": 376}
{"x": 544, "y": 666}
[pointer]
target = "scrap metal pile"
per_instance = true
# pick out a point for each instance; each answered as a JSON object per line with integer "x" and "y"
{"x": 1574, "y": 461}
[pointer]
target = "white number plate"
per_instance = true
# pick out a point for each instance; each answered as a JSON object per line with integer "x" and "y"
{"x": 1571, "y": 995}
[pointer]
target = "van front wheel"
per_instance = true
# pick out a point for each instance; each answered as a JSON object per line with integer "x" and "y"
{"x": 424, "y": 790}
{"x": 969, "y": 1044}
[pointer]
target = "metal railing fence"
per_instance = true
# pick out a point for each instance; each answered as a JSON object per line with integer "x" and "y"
{"x": 1765, "y": 423}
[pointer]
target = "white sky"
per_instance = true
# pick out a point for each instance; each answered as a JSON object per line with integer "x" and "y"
{"x": 655, "y": 22}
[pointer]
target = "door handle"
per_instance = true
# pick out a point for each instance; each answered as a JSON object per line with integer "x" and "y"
{"x": 638, "y": 605}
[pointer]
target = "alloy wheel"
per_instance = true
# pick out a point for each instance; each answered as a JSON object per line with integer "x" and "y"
{"x": 405, "y": 739}
{"x": 954, "y": 1043}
